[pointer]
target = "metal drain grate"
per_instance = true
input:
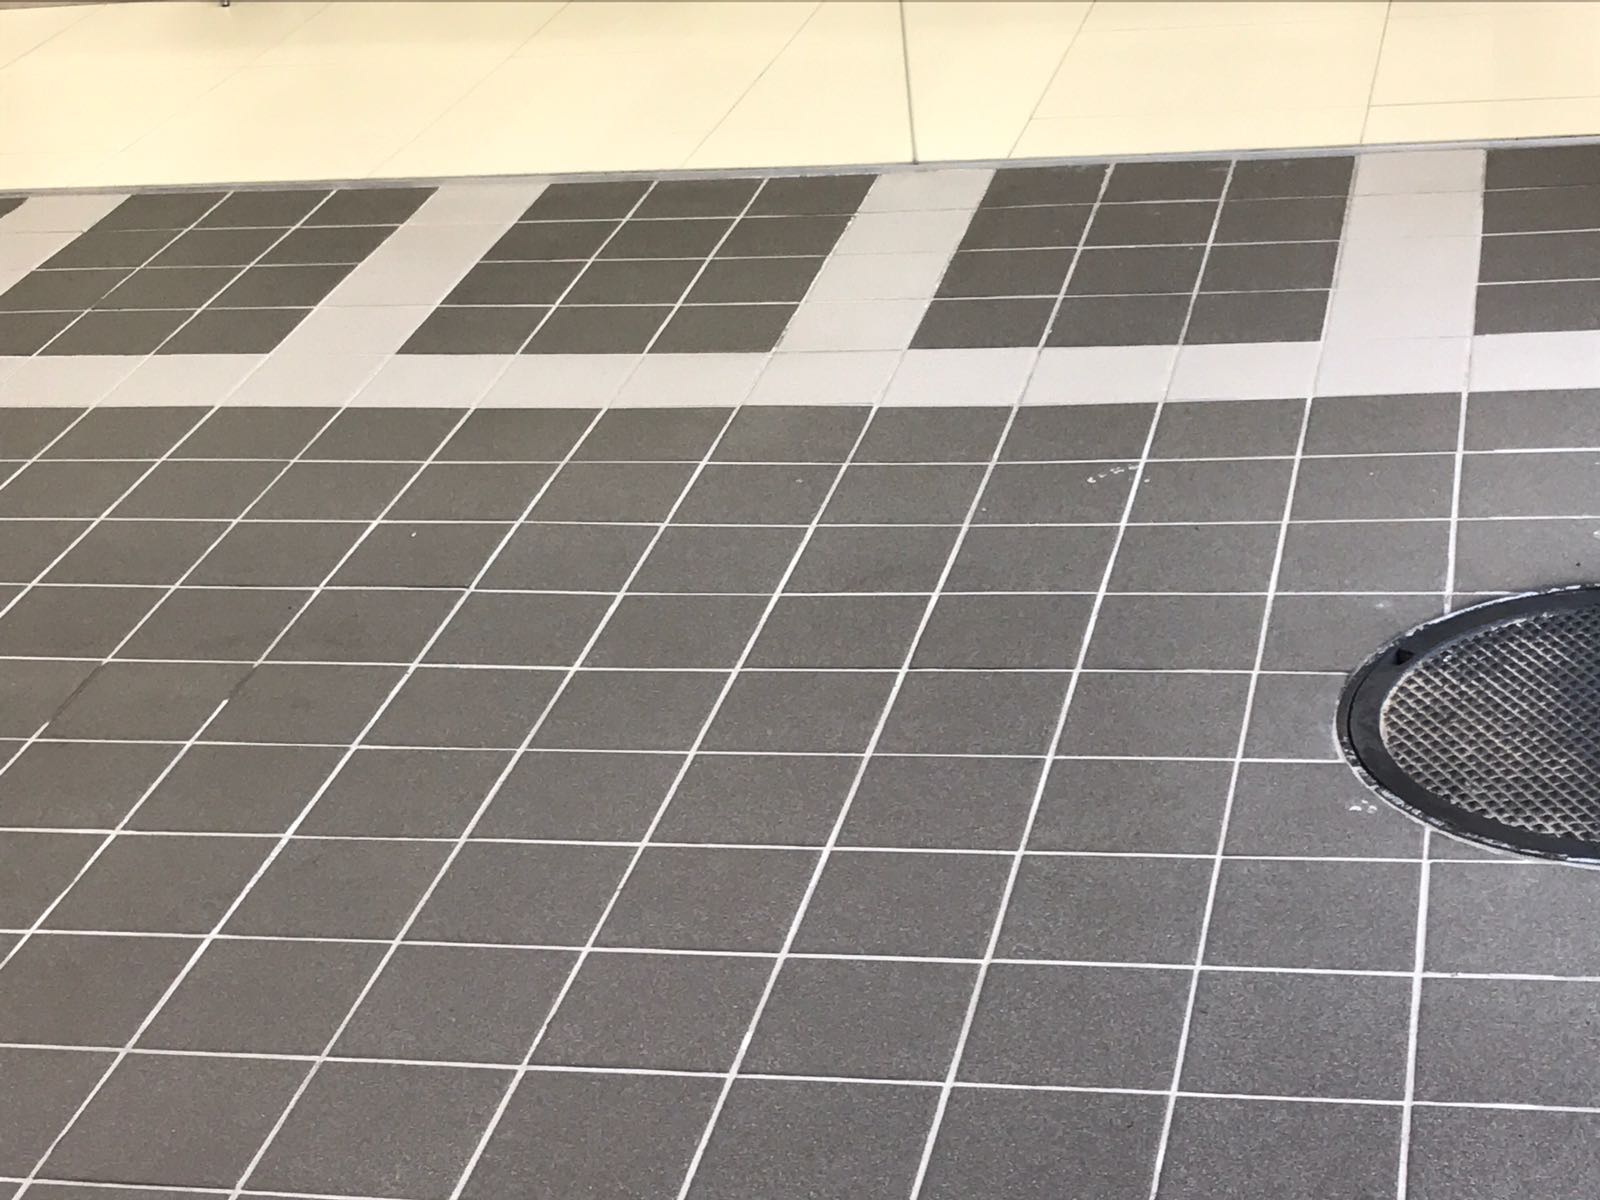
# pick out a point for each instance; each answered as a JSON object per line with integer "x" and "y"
{"x": 1486, "y": 723}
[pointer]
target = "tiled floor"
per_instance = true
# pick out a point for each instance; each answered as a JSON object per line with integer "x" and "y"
{"x": 266, "y": 91}
{"x": 861, "y": 738}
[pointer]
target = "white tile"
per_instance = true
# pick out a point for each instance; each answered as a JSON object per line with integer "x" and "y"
{"x": 311, "y": 380}
{"x": 1100, "y": 374}
{"x": 477, "y": 203}
{"x": 960, "y": 377}
{"x": 560, "y": 381}
{"x": 1393, "y": 366}
{"x": 1466, "y": 120}
{"x": 917, "y": 191}
{"x": 1509, "y": 361}
{"x": 432, "y": 380}
{"x": 1381, "y": 173}
{"x": 64, "y": 381}
{"x": 418, "y": 264}
{"x": 23, "y": 252}
{"x": 937, "y": 232}
{"x": 853, "y": 325}
{"x": 66, "y": 213}
{"x": 1512, "y": 52}
{"x": 1430, "y": 214}
{"x": 354, "y": 330}
{"x": 848, "y": 377}
{"x": 878, "y": 277}
{"x": 1423, "y": 264}
{"x": 690, "y": 380}
{"x": 1244, "y": 371}
{"x": 187, "y": 379}
{"x": 1360, "y": 316}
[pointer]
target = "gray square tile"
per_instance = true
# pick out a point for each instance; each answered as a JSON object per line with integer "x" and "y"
{"x": 1270, "y": 266}
{"x": 1369, "y": 556}
{"x": 160, "y": 884}
{"x": 649, "y": 1125}
{"x": 160, "y": 210}
{"x": 811, "y": 194}
{"x": 73, "y": 622}
{"x": 77, "y": 784}
{"x": 1152, "y": 224}
{"x": 625, "y": 329}
{"x": 754, "y": 280}
{"x": 757, "y": 798}
{"x": 125, "y": 433}
{"x": 1398, "y": 486}
{"x": 983, "y": 324}
{"x": 1150, "y": 806}
{"x": 1275, "y": 914}
{"x": 1236, "y": 429}
{"x": 1006, "y": 273}
{"x": 402, "y": 555}
{"x": 43, "y": 1091}
{"x": 405, "y": 793}
{"x": 1277, "y": 1150}
{"x": 249, "y": 209}
{"x": 1195, "y": 558}
{"x": 1537, "y": 307}
{"x": 1382, "y": 424}
{"x": 705, "y": 899}
{"x": 1319, "y": 176}
{"x": 580, "y": 796}
{"x": 647, "y": 434}
{"x": 514, "y": 283}
{"x": 142, "y": 552}
{"x": 76, "y": 489}
{"x": 747, "y": 494}
{"x": 1534, "y": 1028}
{"x": 1033, "y": 226}
{"x": 117, "y": 333}
{"x": 934, "y": 803}
{"x": 1176, "y": 632}
{"x": 630, "y": 710}
{"x": 203, "y": 489}
{"x": 1136, "y": 270}
{"x": 456, "y": 1004}
{"x": 479, "y": 708}
{"x": 1000, "y": 632}
{"x": 476, "y": 330}
{"x": 180, "y": 1120}
{"x": 36, "y": 868}
{"x": 32, "y": 692}
{"x": 1299, "y": 1035}
{"x": 1527, "y": 485}
{"x": 332, "y": 491}
{"x": 765, "y": 1146}
{"x": 1509, "y": 917}
{"x": 791, "y": 434}
{"x": 281, "y": 287}
{"x": 659, "y": 281}
{"x": 1280, "y": 220}
{"x": 1238, "y": 490}
{"x": 1498, "y": 1152}
{"x": 712, "y": 559}
{"x": 566, "y": 201}
{"x": 27, "y": 548}
{"x": 1106, "y": 909}
{"x": 187, "y": 288}
{"x": 698, "y": 197}
{"x": 516, "y": 435}
{"x": 1078, "y": 431}
{"x": 915, "y": 435}
{"x": 1072, "y": 493}
{"x": 349, "y": 244}
{"x": 521, "y": 630}
{"x": 656, "y": 1011}
{"x": 893, "y": 495}
{"x": 1292, "y": 717}
{"x": 371, "y": 1127}
{"x": 1120, "y": 321}
{"x": 550, "y": 239}
{"x": 263, "y": 997}
{"x": 1316, "y": 810}
{"x": 1531, "y": 420}
{"x": 1156, "y": 714}
{"x": 677, "y": 631}
{"x": 234, "y": 331}
{"x": 838, "y": 631}
{"x": 142, "y": 700}
{"x": 1337, "y": 633}
{"x": 764, "y": 236}
{"x": 277, "y": 554}
{"x": 74, "y": 990}
{"x": 235, "y": 789}
{"x": 25, "y": 333}
{"x": 108, "y": 248}
{"x": 974, "y": 712}
{"x": 842, "y": 559}
{"x": 1513, "y": 555}
{"x": 1067, "y": 559}
{"x": 1021, "y": 1145}
{"x": 409, "y": 434}
{"x": 470, "y": 492}
{"x": 928, "y": 905}
{"x": 876, "y": 1020}
{"x": 521, "y": 894}
{"x": 284, "y": 702}
{"x": 221, "y": 623}
{"x": 613, "y": 492}
{"x": 348, "y": 889}
{"x": 829, "y": 711}
{"x": 1079, "y": 1026}
{"x": 569, "y": 557}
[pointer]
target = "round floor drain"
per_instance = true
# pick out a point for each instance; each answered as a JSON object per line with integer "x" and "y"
{"x": 1486, "y": 723}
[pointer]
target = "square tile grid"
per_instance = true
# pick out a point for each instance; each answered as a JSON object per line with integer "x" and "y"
{"x": 1538, "y": 271}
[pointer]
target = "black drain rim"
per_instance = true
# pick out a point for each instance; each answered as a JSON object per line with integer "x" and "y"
{"x": 1369, "y": 686}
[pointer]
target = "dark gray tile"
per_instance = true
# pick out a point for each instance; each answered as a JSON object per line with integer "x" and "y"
{"x": 204, "y": 489}
{"x": 1406, "y": 485}
{"x": 567, "y": 201}
{"x": 332, "y": 889}
{"x": 1163, "y": 223}
{"x": 332, "y": 491}
{"x": 480, "y": 330}
{"x": 1155, "y": 713}
{"x": 263, "y": 997}
{"x": 1078, "y": 431}
{"x": 1176, "y": 632}
{"x": 160, "y": 884}
{"x": 514, "y": 283}
{"x": 180, "y": 1120}
{"x": 673, "y": 237}
{"x": 791, "y": 433}
{"x": 807, "y": 711}
{"x": 1120, "y": 806}
{"x": 1320, "y": 176}
{"x": 1236, "y": 429}
{"x": 1044, "y": 185}
{"x": 470, "y": 492}
{"x": 77, "y": 784}
{"x": 117, "y": 333}
{"x": 1528, "y": 485}
{"x": 73, "y": 622}
{"x": 1195, "y": 558}
{"x": 808, "y": 194}
{"x": 1537, "y": 307}
{"x": 756, "y": 798}
{"x": 369, "y": 206}
{"x": 43, "y": 1091}
{"x": 1106, "y": 909}
{"x": 186, "y": 288}
{"x": 39, "y": 292}
{"x": 875, "y": 1020}
{"x": 456, "y": 1004}
{"x": 1528, "y": 210}
{"x": 23, "y": 333}
{"x": 931, "y": 435}
{"x": 765, "y": 1145}
{"x": 1382, "y": 424}
{"x": 281, "y": 287}
{"x": 1000, "y": 632}
{"x": 842, "y": 559}
{"x": 952, "y": 324}
{"x": 933, "y": 803}
{"x": 1275, "y": 914}
{"x": 1025, "y": 493}
{"x": 1038, "y": 226}
{"x": 517, "y": 894}
{"x": 36, "y": 868}
{"x": 1064, "y": 559}
{"x": 1119, "y": 321}
{"x": 1022, "y": 1145}
{"x": 419, "y": 555}
{"x": 516, "y": 434}
{"x": 924, "y": 905}
{"x": 160, "y": 210}
{"x": 698, "y": 197}
{"x": 1533, "y": 420}
{"x": 1541, "y": 166}
{"x": 1509, "y": 258}
{"x": 379, "y": 1127}
{"x": 580, "y": 796}
{"x": 411, "y": 434}
{"x": 1292, "y": 717}
{"x": 519, "y": 630}
{"x": 1079, "y": 1026}
{"x": 569, "y": 557}
{"x": 677, "y": 631}
{"x": 217, "y": 248}
{"x": 653, "y": 434}
{"x": 752, "y": 494}
{"x": 144, "y": 552}
{"x": 597, "y": 330}
{"x": 1277, "y": 1150}
{"x": 613, "y": 492}
{"x": 710, "y": 559}
{"x": 545, "y": 1144}
{"x": 630, "y": 710}
{"x": 634, "y": 281}
{"x": 762, "y": 236}
{"x": 71, "y": 990}
{"x": 1338, "y": 633}
{"x": 1166, "y": 180}
{"x": 348, "y": 244}
{"x": 482, "y": 708}
{"x": 1006, "y": 273}
{"x": 32, "y": 692}
{"x": 838, "y": 631}
{"x": 142, "y": 700}
{"x": 222, "y": 623}
{"x": 125, "y": 433}
{"x": 1291, "y": 220}
{"x": 1316, "y": 810}
{"x": 754, "y": 280}
{"x": 279, "y": 554}
{"x": 1504, "y": 1041}
{"x": 28, "y": 431}
{"x": 236, "y": 789}
{"x": 1256, "y": 317}
{"x": 247, "y": 209}
{"x": 77, "y": 489}
{"x": 1265, "y": 1033}
{"x": 709, "y": 899}
{"x": 1509, "y": 917}
{"x": 655, "y": 1011}
{"x": 550, "y": 239}
{"x": 1369, "y": 556}
{"x": 1499, "y": 1152}
{"x": 974, "y": 712}
{"x": 27, "y": 548}
{"x": 1519, "y": 555}
{"x": 894, "y": 495}
{"x": 405, "y": 793}
{"x": 1135, "y": 270}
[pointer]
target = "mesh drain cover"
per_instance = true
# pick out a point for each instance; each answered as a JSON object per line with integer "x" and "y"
{"x": 1486, "y": 723}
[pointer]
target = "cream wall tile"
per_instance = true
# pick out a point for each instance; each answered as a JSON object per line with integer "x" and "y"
{"x": 1178, "y": 132}
{"x": 1512, "y": 53}
{"x": 384, "y": 29}
{"x": 114, "y": 33}
{"x": 1482, "y": 119}
{"x": 644, "y": 27}
{"x": 102, "y": 109}
{"x": 1179, "y": 14}
{"x": 25, "y": 29}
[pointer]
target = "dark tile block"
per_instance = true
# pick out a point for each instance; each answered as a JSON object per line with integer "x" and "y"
{"x": 683, "y": 237}
{"x": 277, "y": 554}
{"x": 1220, "y": 317}
{"x": 1504, "y": 1041}
{"x": 117, "y": 333}
{"x": 32, "y": 692}
{"x": 754, "y": 280}
{"x": 1121, "y": 806}
{"x": 758, "y": 798}
{"x": 571, "y": 557}
{"x": 838, "y": 631}
{"x": 791, "y": 433}
{"x": 1367, "y": 556}
{"x": 73, "y": 622}
{"x": 169, "y": 287}
{"x": 1527, "y": 485}
{"x": 634, "y": 281}
{"x": 676, "y": 631}
{"x": 141, "y": 700}
{"x": 709, "y": 899}
{"x": 548, "y": 240}
{"x": 245, "y": 209}
{"x": 1532, "y": 210}
{"x": 1338, "y": 633}
{"x": 894, "y": 495}
{"x": 1041, "y": 226}
{"x": 160, "y": 885}
{"x": 519, "y": 630}
{"x": 1155, "y": 713}
{"x": 160, "y": 210}
{"x": 74, "y": 785}
{"x": 1263, "y": 267}
{"x": 1315, "y": 810}
{"x": 974, "y": 712}
{"x": 27, "y": 548}
{"x": 236, "y": 789}
{"x": 763, "y": 236}
{"x": 474, "y": 331}
{"x": 653, "y": 434}
{"x": 332, "y": 889}
{"x": 125, "y": 433}
{"x": 1086, "y": 431}
{"x": 1292, "y": 717}
{"x": 349, "y": 244}
{"x": 201, "y": 489}
{"x": 294, "y": 702}
{"x": 926, "y": 905}
{"x": 1291, "y": 220}
{"x": 1265, "y": 177}
{"x": 23, "y": 333}
{"x": 516, "y": 894}
{"x": 934, "y": 803}
{"x": 1195, "y": 558}
{"x": 1167, "y": 180}
{"x": 698, "y": 197}
{"x": 217, "y": 248}
{"x": 612, "y": 492}
{"x": 1538, "y": 307}
{"x": 419, "y": 556}
{"x": 723, "y": 329}
{"x": 630, "y": 710}
{"x": 132, "y": 552}
{"x": 580, "y": 796}
{"x": 1514, "y": 258}
{"x": 1176, "y": 632}
{"x": 1055, "y": 559}
{"x": 1509, "y": 917}
{"x": 1006, "y": 273}
{"x": 1037, "y": 632}
{"x": 27, "y": 431}
{"x": 1106, "y": 909}
{"x": 811, "y": 194}
{"x": 931, "y": 435}
{"x": 1044, "y": 185}
{"x": 1158, "y": 224}
{"x": 1396, "y": 486}
{"x": 328, "y": 491}
{"x": 476, "y": 708}
{"x": 1520, "y": 555}
{"x": 1275, "y": 914}
{"x": 1541, "y": 166}
{"x": 369, "y": 206}
{"x": 1532, "y": 420}
{"x": 59, "y": 292}
{"x": 72, "y": 990}
{"x": 222, "y": 623}
{"x": 58, "y": 489}
{"x": 411, "y": 434}
{"x": 1134, "y": 270}
{"x": 516, "y": 435}
{"x": 43, "y": 1091}
{"x": 844, "y": 559}
{"x": 37, "y": 868}
{"x": 471, "y": 492}
{"x": 281, "y": 287}
{"x": 566, "y": 201}
{"x": 982, "y": 323}
{"x": 710, "y": 559}
{"x": 1049, "y": 493}
{"x": 805, "y": 711}
{"x": 1499, "y": 1152}
{"x": 405, "y": 793}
